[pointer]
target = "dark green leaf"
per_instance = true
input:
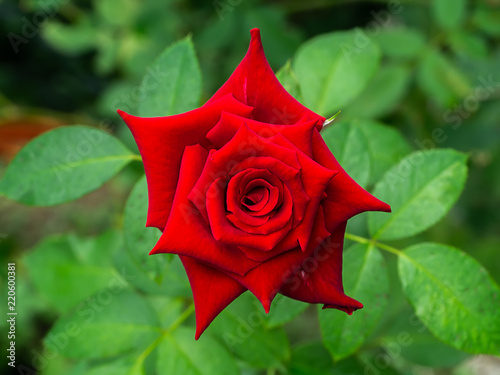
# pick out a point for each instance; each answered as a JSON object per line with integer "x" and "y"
{"x": 453, "y": 295}
{"x": 333, "y": 69}
{"x": 365, "y": 279}
{"x": 64, "y": 164}
{"x": 112, "y": 322}
{"x": 487, "y": 19}
{"x": 420, "y": 190}
{"x": 172, "y": 84}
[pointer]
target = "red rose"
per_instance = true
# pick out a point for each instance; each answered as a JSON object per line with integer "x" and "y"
{"x": 248, "y": 194}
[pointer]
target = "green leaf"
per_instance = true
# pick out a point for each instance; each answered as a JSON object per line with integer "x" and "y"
{"x": 116, "y": 12}
{"x": 365, "y": 279}
{"x": 420, "y": 190}
{"x": 172, "y": 281}
{"x": 382, "y": 94}
{"x": 71, "y": 39}
{"x": 453, "y": 295}
{"x": 405, "y": 332}
{"x": 84, "y": 265}
{"x": 400, "y": 42}
{"x": 139, "y": 240}
{"x": 334, "y": 68}
{"x": 441, "y": 80}
{"x": 365, "y": 149}
{"x": 64, "y": 164}
{"x": 487, "y": 19}
{"x": 172, "y": 84}
{"x": 112, "y": 322}
{"x": 287, "y": 78}
{"x": 311, "y": 359}
{"x": 179, "y": 354}
{"x": 241, "y": 327}
{"x": 386, "y": 146}
{"x": 350, "y": 147}
{"x": 449, "y": 14}
{"x": 468, "y": 44}
{"x": 283, "y": 310}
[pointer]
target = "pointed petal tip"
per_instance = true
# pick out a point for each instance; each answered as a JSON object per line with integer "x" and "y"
{"x": 255, "y": 33}
{"x": 122, "y": 114}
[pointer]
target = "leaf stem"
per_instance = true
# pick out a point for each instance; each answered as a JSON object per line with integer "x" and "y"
{"x": 380, "y": 245}
{"x": 142, "y": 357}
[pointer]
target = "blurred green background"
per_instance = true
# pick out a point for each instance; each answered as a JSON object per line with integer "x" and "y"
{"x": 75, "y": 62}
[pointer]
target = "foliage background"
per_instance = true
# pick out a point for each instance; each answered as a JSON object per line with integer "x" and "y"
{"x": 88, "y": 58}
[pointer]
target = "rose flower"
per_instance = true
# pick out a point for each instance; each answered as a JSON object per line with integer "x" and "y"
{"x": 248, "y": 194}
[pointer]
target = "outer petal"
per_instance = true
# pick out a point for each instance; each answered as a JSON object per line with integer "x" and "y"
{"x": 345, "y": 198}
{"x": 319, "y": 280}
{"x": 186, "y": 232}
{"x": 212, "y": 292}
{"x": 253, "y": 82}
{"x": 161, "y": 142}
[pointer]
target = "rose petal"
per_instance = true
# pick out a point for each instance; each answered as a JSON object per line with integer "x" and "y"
{"x": 300, "y": 134}
{"x": 345, "y": 198}
{"x": 319, "y": 280}
{"x": 224, "y": 231}
{"x": 186, "y": 233}
{"x": 161, "y": 142}
{"x": 212, "y": 292}
{"x": 254, "y": 83}
{"x": 266, "y": 280}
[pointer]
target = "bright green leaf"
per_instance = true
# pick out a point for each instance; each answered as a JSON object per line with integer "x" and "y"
{"x": 365, "y": 279}
{"x": 178, "y": 353}
{"x": 84, "y": 265}
{"x": 64, "y": 164}
{"x": 334, "y": 68}
{"x": 112, "y": 322}
{"x": 365, "y": 149}
{"x": 287, "y": 78}
{"x": 139, "y": 240}
{"x": 420, "y": 190}
{"x": 172, "y": 84}
{"x": 382, "y": 94}
{"x": 350, "y": 147}
{"x": 453, "y": 295}
{"x": 449, "y": 14}
{"x": 386, "y": 146}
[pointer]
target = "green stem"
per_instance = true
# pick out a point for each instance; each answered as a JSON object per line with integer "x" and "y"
{"x": 271, "y": 371}
{"x": 367, "y": 241}
{"x": 142, "y": 357}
